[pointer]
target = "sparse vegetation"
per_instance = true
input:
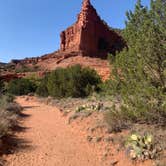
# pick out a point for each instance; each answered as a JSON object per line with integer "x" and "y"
{"x": 24, "y": 69}
{"x": 9, "y": 112}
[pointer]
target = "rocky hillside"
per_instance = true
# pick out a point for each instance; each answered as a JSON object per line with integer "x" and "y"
{"x": 48, "y": 62}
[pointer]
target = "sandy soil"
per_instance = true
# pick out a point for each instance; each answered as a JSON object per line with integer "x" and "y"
{"x": 51, "y": 141}
{"x": 47, "y": 139}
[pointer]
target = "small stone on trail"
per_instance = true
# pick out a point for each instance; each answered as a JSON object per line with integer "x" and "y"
{"x": 89, "y": 138}
{"x": 114, "y": 163}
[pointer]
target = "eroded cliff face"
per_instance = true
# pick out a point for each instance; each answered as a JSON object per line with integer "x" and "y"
{"x": 90, "y": 35}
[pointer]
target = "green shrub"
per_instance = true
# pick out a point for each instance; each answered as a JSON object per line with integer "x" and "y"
{"x": 73, "y": 81}
{"x": 139, "y": 72}
{"x": 106, "y": 88}
{"x": 42, "y": 89}
{"x": 21, "y": 87}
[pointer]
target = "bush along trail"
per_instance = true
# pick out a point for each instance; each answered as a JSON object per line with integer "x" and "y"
{"x": 9, "y": 114}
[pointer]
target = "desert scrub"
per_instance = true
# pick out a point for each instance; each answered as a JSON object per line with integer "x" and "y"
{"x": 116, "y": 121}
{"x": 74, "y": 81}
{"x": 7, "y": 120}
{"x": 89, "y": 107}
{"x": 9, "y": 112}
{"x": 5, "y": 100}
{"x": 141, "y": 147}
{"x": 24, "y": 69}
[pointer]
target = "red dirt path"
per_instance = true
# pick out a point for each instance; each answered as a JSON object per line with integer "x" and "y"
{"x": 53, "y": 142}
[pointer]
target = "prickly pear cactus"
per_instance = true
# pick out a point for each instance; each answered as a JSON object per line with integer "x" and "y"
{"x": 141, "y": 147}
{"x": 90, "y": 107}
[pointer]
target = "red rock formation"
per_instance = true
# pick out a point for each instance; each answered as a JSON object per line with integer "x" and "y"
{"x": 90, "y": 35}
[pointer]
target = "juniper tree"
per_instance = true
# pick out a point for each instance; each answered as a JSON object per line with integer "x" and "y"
{"x": 139, "y": 74}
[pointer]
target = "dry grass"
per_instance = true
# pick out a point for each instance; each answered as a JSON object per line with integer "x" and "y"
{"x": 7, "y": 120}
{"x": 9, "y": 113}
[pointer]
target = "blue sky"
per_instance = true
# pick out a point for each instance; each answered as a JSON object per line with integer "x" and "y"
{"x": 31, "y": 27}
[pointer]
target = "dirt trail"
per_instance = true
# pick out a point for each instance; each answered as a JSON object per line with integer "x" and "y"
{"x": 52, "y": 140}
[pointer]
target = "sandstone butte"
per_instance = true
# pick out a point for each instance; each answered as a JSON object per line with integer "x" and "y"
{"x": 87, "y": 42}
{"x": 90, "y": 35}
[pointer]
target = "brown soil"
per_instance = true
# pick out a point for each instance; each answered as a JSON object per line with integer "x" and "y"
{"x": 100, "y": 65}
{"x": 51, "y": 141}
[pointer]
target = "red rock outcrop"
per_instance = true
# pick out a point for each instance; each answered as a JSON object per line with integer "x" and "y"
{"x": 90, "y": 35}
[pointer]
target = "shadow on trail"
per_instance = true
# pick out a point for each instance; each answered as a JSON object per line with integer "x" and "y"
{"x": 23, "y": 115}
{"x": 18, "y": 128}
{"x": 13, "y": 144}
{"x": 29, "y": 107}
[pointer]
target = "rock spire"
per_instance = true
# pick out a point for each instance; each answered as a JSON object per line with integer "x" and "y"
{"x": 90, "y": 35}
